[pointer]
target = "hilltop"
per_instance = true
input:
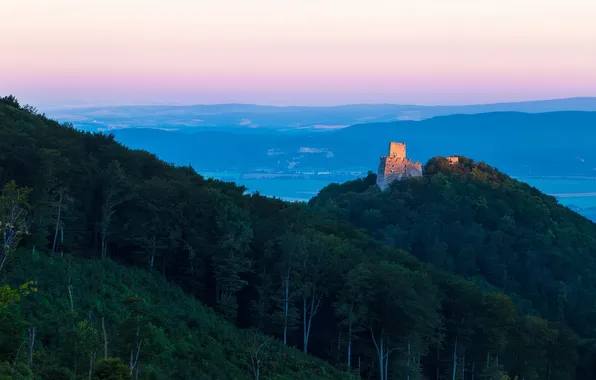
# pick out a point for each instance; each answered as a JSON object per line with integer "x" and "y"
{"x": 117, "y": 240}
{"x": 470, "y": 219}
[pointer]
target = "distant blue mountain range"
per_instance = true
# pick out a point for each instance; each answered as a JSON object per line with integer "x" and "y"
{"x": 236, "y": 117}
{"x": 553, "y": 143}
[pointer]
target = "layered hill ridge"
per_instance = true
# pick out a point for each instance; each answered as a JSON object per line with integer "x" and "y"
{"x": 294, "y": 272}
{"x": 551, "y": 143}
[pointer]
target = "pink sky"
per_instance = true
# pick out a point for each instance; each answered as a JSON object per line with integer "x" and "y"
{"x": 317, "y": 52}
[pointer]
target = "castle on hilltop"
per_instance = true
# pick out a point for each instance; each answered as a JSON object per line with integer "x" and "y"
{"x": 396, "y": 166}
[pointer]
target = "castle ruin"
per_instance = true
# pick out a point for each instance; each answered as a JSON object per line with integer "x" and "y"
{"x": 396, "y": 166}
{"x": 453, "y": 160}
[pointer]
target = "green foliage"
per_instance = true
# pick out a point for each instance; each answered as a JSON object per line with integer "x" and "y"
{"x": 14, "y": 213}
{"x": 472, "y": 220}
{"x": 181, "y": 338}
{"x": 97, "y": 212}
{"x": 10, "y": 100}
{"x": 14, "y": 372}
{"x": 9, "y": 295}
{"x": 111, "y": 369}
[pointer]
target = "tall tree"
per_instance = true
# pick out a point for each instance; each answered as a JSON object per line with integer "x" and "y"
{"x": 351, "y": 306}
{"x": 230, "y": 260}
{"x": 116, "y": 190}
{"x": 313, "y": 265}
{"x": 14, "y": 219}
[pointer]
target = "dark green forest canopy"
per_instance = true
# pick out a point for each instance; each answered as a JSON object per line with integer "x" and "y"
{"x": 351, "y": 297}
{"x": 472, "y": 220}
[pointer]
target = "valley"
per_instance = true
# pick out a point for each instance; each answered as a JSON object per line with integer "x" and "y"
{"x": 579, "y": 194}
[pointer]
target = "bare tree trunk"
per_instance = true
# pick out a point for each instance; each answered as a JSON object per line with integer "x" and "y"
{"x": 5, "y": 254}
{"x": 286, "y": 281}
{"x": 350, "y": 346}
{"x": 152, "y": 257}
{"x": 409, "y": 353}
{"x": 438, "y": 361}
{"x": 256, "y": 357}
{"x": 191, "y": 258}
{"x": 380, "y": 347}
{"x": 463, "y": 365}
{"x": 473, "y": 370}
{"x": 91, "y": 356}
{"x": 387, "y": 352}
{"x": 16, "y": 358}
{"x": 310, "y": 308}
{"x": 454, "y": 359}
{"x": 304, "y": 316}
{"x": 105, "y": 338}
{"x": 31, "y": 343}
{"x": 104, "y": 235}
{"x": 70, "y": 296}
{"x": 134, "y": 358}
{"x": 57, "y": 222}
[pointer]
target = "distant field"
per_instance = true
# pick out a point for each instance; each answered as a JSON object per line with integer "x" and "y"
{"x": 562, "y": 185}
{"x": 288, "y": 189}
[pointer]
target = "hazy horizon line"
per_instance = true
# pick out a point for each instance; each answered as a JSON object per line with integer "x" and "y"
{"x": 165, "y": 104}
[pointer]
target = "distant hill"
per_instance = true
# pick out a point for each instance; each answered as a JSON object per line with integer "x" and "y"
{"x": 553, "y": 143}
{"x": 293, "y": 118}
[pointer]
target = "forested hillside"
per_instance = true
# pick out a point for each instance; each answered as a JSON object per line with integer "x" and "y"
{"x": 474, "y": 221}
{"x": 78, "y": 207}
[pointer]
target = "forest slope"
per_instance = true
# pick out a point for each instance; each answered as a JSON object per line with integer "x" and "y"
{"x": 178, "y": 337}
{"x": 304, "y": 277}
{"x": 472, "y": 220}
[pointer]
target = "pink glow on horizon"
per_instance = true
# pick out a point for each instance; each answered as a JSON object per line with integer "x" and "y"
{"x": 298, "y": 52}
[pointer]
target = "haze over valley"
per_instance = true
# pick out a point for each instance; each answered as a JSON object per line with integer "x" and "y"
{"x": 293, "y": 152}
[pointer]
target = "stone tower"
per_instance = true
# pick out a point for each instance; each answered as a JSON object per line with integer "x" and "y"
{"x": 397, "y": 150}
{"x": 396, "y": 166}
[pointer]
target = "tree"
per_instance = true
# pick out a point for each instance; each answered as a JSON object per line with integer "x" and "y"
{"x": 89, "y": 341}
{"x": 403, "y": 307}
{"x": 257, "y": 352}
{"x": 313, "y": 262}
{"x": 134, "y": 331}
{"x": 61, "y": 199}
{"x": 230, "y": 261}
{"x": 290, "y": 247}
{"x": 116, "y": 190}
{"x": 111, "y": 369}
{"x": 351, "y": 306}
{"x": 14, "y": 226}
{"x": 14, "y": 223}
{"x": 461, "y": 306}
{"x": 10, "y": 100}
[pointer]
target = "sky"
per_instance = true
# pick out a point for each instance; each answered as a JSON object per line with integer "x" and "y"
{"x": 296, "y": 52}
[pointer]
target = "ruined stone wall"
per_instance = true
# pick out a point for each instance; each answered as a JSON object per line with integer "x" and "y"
{"x": 396, "y": 166}
{"x": 453, "y": 160}
{"x": 397, "y": 150}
